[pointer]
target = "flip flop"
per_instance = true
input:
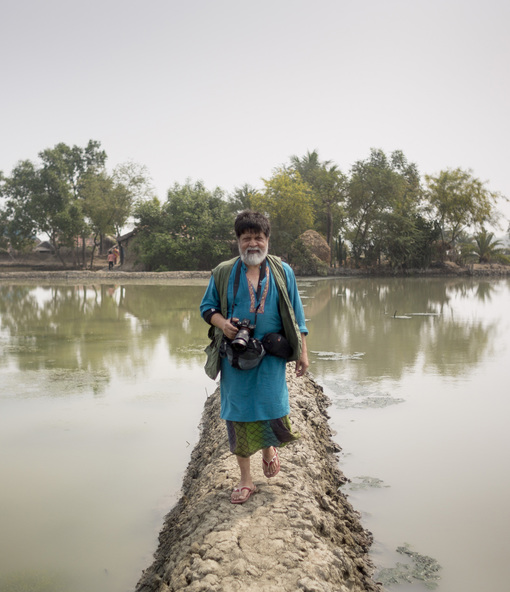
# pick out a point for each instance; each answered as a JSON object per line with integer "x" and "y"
{"x": 243, "y": 499}
{"x": 266, "y": 465}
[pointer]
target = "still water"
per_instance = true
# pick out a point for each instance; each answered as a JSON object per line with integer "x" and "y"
{"x": 102, "y": 388}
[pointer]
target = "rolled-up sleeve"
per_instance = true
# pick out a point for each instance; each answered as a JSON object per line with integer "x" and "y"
{"x": 210, "y": 304}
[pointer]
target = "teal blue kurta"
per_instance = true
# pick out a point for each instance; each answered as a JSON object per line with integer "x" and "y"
{"x": 260, "y": 393}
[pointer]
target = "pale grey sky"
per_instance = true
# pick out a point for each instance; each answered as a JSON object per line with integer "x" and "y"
{"x": 227, "y": 90}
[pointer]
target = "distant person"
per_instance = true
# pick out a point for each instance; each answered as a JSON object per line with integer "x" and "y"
{"x": 111, "y": 259}
{"x": 254, "y": 294}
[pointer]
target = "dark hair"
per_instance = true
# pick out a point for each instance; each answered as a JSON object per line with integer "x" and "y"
{"x": 250, "y": 221}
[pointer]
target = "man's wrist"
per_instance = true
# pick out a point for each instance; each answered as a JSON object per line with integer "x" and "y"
{"x": 208, "y": 315}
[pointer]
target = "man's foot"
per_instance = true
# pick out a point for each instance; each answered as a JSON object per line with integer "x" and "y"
{"x": 242, "y": 494}
{"x": 271, "y": 467}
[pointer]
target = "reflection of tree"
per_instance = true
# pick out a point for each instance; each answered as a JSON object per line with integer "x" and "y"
{"x": 173, "y": 312}
{"x": 77, "y": 334}
{"x": 359, "y": 316}
{"x": 84, "y": 331}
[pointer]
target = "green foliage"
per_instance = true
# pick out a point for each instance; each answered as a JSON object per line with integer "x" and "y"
{"x": 287, "y": 201}
{"x": 69, "y": 194}
{"x": 378, "y": 214}
{"x": 70, "y": 164}
{"x": 44, "y": 199}
{"x": 193, "y": 229}
{"x": 19, "y": 225}
{"x": 107, "y": 203}
{"x": 383, "y": 196}
{"x": 340, "y": 251}
{"x": 327, "y": 185}
{"x": 458, "y": 200}
{"x": 485, "y": 249}
{"x": 409, "y": 242}
{"x": 242, "y": 198}
{"x": 136, "y": 180}
{"x": 305, "y": 262}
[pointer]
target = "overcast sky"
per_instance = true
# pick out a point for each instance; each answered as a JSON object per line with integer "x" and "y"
{"x": 226, "y": 90}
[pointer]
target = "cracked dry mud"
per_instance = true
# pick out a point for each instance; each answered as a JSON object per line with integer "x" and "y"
{"x": 297, "y": 532}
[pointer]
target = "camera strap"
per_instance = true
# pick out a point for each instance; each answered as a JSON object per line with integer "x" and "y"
{"x": 237, "y": 279}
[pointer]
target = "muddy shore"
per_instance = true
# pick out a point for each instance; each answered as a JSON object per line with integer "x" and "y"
{"x": 31, "y": 272}
{"x": 298, "y": 531}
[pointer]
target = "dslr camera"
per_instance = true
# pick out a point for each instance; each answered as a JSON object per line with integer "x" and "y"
{"x": 244, "y": 332}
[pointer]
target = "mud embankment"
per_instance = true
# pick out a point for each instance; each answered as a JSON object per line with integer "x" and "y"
{"x": 46, "y": 273}
{"x": 103, "y": 277}
{"x": 296, "y": 532}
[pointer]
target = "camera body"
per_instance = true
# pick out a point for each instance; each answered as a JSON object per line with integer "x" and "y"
{"x": 244, "y": 332}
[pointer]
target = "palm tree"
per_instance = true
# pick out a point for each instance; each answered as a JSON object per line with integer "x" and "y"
{"x": 488, "y": 248}
{"x": 327, "y": 184}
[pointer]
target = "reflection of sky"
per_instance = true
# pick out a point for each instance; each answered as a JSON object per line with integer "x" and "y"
{"x": 448, "y": 326}
{"x": 101, "y": 413}
{"x": 93, "y": 443}
{"x": 42, "y": 295}
{"x": 45, "y": 294}
{"x": 487, "y": 306}
{"x": 94, "y": 329}
{"x": 424, "y": 410}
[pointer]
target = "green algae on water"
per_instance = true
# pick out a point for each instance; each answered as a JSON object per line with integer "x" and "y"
{"x": 422, "y": 568}
{"x": 365, "y": 482}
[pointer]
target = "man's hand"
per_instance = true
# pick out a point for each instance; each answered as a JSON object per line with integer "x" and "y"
{"x": 229, "y": 330}
{"x": 302, "y": 364}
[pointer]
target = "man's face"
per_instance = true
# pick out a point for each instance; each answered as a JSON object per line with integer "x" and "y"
{"x": 253, "y": 247}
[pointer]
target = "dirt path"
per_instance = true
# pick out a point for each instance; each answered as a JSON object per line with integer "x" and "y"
{"x": 101, "y": 276}
{"x": 297, "y": 532}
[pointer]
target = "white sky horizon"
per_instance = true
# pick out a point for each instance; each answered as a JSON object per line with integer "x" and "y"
{"x": 225, "y": 91}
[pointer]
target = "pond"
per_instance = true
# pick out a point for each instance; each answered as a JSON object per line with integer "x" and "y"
{"x": 101, "y": 394}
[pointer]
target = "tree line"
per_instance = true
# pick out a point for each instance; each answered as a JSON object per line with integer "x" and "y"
{"x": 381, "y": 212}
{"x": 70, "y": 197}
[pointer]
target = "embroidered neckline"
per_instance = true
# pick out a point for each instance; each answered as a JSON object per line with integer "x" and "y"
{"x": 253, "y": 303}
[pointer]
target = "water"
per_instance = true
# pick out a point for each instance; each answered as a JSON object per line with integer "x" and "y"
{"x": 102, "y": 388}
{"x": 421, "y": 406}
{"x": 101, "y": 392}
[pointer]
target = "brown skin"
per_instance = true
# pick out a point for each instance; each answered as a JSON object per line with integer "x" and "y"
{"x": 247, "y": 242}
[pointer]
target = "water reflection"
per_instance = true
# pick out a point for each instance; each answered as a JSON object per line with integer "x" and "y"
{"x": 74, "y": 335}
{"x": 101, "y": 393}
{"x": 134, "y": 355}
{"x": 78, "y": 333}
{"x": 395, "y": 324}
{"x": 173, "y": 312}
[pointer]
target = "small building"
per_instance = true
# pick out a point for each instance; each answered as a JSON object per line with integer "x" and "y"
{"x": 123, "y": 242}
{"x": 44, "y": 247}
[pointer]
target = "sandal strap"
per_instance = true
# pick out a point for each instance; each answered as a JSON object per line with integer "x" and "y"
{"x": 275, "y": 457}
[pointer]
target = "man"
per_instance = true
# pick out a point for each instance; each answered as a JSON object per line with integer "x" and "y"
{"x": 258, "y": 288}
{"x": 111, "y": 259}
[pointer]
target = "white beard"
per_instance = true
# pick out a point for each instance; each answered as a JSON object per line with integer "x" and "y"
{"x": 253, "y": 256}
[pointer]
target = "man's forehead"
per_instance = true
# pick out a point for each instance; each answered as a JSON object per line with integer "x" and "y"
{"x": 251, "y": 232}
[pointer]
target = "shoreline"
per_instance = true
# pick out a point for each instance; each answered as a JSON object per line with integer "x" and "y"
{"x": 34, "y": 272}
{"x": 298, "y": 531}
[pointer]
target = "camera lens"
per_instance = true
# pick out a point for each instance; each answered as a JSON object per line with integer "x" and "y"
{"x": 240, "y": 342}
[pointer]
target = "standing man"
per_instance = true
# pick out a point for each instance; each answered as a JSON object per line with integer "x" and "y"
{"x": 260, "y": 291}
{"x": 111, "y": 259}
